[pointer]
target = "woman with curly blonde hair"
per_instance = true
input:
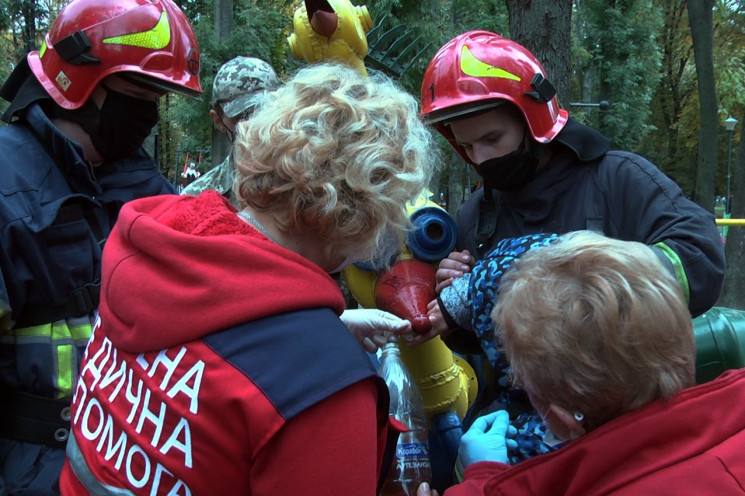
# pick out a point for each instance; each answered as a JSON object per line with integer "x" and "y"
{"x": 231, "y": 370}
{"x": 334, "y": 156}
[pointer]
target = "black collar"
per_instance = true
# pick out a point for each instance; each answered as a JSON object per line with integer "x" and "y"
{"x": 21, "y": 89}
{"x": 587, "y": 143}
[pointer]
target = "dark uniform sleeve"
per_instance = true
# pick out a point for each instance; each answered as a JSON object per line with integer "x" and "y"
{"x": 645, "y": 205}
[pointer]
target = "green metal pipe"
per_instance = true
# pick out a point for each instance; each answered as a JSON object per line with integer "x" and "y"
{"x": 720, "y": 342}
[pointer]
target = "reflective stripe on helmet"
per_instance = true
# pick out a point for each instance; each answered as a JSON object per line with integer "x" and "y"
{"x": 156, "y": 38}
{"x": 151, "y": 40}
{"x": 471, "y": 66}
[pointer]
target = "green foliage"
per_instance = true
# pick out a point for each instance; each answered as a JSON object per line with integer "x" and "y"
{"x": 257, "y": 32}
{"x": 729, "y": 57}
{"x": 619, "y": 44}
{"x": 634, "y": 53}
{"x": 729, "y": 67}
{"x": 14, "y": 43}
{"x": 436, "y": 22}
{"x": 673, "y": 143}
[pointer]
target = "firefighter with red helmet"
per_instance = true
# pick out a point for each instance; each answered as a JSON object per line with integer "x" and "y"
{"x": 80, "y": 109}
{"x": 544, "y": 172}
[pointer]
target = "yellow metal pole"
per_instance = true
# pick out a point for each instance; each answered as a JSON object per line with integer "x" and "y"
{"x": 730, "y": 222}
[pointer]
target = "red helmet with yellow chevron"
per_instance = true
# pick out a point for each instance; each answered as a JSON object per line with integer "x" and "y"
{"x": 149, "y": 40}
{"x": 478, "y": 70}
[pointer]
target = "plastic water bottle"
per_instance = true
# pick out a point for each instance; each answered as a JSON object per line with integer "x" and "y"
{"x": 411, "y": 464}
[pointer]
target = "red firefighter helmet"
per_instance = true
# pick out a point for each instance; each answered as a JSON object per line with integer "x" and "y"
{"x": 479, "y": 70}
{"x": 149, "y": 40}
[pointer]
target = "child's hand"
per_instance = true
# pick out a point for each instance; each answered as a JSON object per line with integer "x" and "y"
{"x": 455, "y": 265}
{"x": 439, "y": 326}
{"x": 434, "y": 312}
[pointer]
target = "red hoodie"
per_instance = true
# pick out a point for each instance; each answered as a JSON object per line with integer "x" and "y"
{"x": 219, "y": 366}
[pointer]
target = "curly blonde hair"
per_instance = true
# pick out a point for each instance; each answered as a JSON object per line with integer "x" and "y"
{"x": 337, "y": 153}
{"x": 595, "y": 325}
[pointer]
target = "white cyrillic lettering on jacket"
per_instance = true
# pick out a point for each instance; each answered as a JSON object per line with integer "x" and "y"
{"x": 192, "y": 392}
{"x": 85, "y": 427}
{"x": 134, "y": 399}
{"x": 144, "y": 467}
{"x": 156, "y": 419}
{"x": 183, "y": 446}
{"x": 112, "y": 447}
{"x": 116, "y": 372}
{"x": 170, "y": 365}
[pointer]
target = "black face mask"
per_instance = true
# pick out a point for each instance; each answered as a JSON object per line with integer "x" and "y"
{"x": 509, "y": 172}
{"x": 121, "y": 125}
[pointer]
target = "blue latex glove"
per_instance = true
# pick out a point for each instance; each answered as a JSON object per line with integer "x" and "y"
{"x": 487, "y": 440}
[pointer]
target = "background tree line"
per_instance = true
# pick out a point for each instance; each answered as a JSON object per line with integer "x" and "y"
{"x": 672, "y": 71}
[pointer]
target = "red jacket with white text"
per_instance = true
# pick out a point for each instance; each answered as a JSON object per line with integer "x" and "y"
{"x": 219, "y": 366}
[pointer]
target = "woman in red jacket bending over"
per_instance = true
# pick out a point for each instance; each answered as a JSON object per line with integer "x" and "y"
{"x": 599, "y": 337}
{"x": 220, "y": 363}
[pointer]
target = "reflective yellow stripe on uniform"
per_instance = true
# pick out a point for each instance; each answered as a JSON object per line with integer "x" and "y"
{"x": 680, "y": 273}
{"x": 64, "y": 337}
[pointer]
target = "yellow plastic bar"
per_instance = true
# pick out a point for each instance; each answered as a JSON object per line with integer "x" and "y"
{"x": 730, "y": 222}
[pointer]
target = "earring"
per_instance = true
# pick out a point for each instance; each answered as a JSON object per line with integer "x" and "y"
{"x": 579, "y": 417}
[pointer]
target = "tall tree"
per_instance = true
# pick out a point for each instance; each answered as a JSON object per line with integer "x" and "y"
{"x": 621, "y": 53}
{"x": 733, "y": 292}
{"x": 730, "y": 39}
{"x": 223, "y": 24}
{"x": 545, "y": 28}
{"x": 28, "y": 12}
{"x": 672, "y": 97}
{"x": 729, "y": 63}
{"x": 702, "y": 32}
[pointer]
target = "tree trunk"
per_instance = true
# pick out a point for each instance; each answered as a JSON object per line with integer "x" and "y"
{"x": 733, "y": 292}
{"x": 456, "y": 179}
{"x": 223, "y": 26}
{"x": 545, "y": 28}
{"x": 673, "y": 66}
{"x": 28, "y": 11}
{"x": 702, "y": 33}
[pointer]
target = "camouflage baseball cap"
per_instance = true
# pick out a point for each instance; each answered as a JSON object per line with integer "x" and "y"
{"x": 240, "y": 82}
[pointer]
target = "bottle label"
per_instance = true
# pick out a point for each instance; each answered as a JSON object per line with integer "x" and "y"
{"x": 411, "y": 449}
{"x": 418, "y": 465}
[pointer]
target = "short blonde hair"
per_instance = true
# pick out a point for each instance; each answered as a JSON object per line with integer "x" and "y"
{"x": 595, "y": 325}
{"x": 337, "y": 153}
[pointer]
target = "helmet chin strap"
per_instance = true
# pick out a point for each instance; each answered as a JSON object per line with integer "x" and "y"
{"x": 539, "y": 150}
{"x": 486, "y": 225}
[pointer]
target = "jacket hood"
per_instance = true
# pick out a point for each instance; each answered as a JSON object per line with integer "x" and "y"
{"x": 587, "y": 143}
{"x": 177, "y": 268}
